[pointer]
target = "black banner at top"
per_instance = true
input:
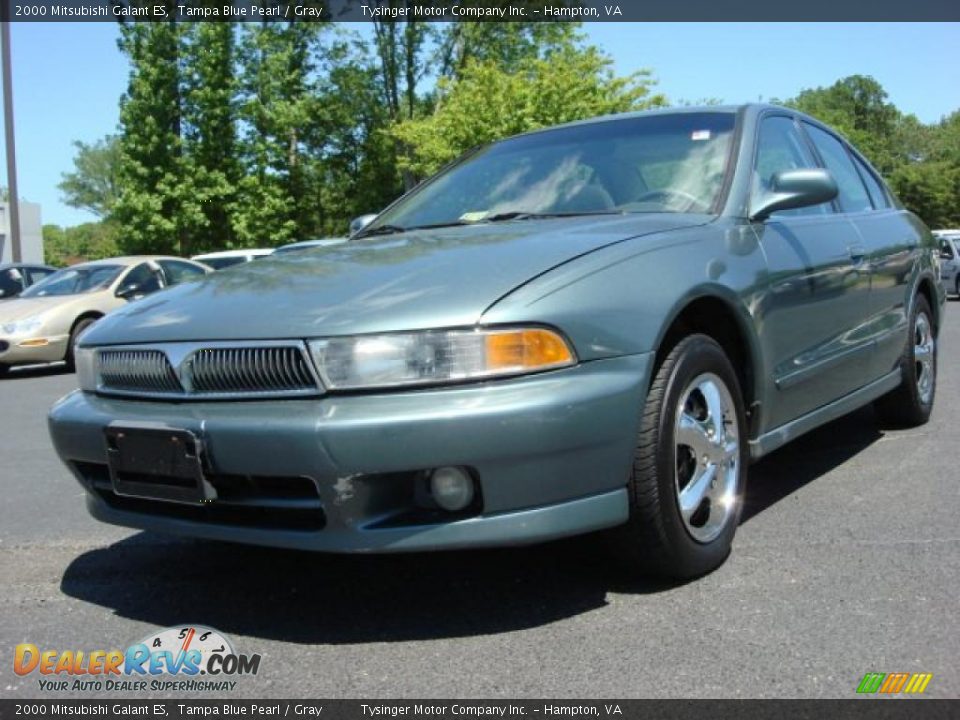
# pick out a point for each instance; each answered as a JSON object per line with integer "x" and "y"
{"x": 365, "y": 11}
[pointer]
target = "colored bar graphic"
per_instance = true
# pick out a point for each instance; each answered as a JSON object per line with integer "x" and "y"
{"x": 893, "y": 683}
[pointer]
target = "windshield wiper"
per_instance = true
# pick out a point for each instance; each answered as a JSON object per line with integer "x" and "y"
{"x": 382, "y": 230}
{"x": 498, "y": 217}
{"x": 523, "y": 215}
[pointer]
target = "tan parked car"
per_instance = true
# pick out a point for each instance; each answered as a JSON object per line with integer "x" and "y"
{"x": 43, "y": 324}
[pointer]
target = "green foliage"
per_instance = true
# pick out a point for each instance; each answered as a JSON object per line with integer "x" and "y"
{"x": 257, "y": 134}
{"x": 154, "y": 181}
{"x": 931, "y": 190}
{"x": 93, "y": 184}
{"x": 857, "y": 106}
{"x": 920, "y": 162}
{"x": 209, "y": 126}
{"x": 571, "y": 84}
{"x": 89, "y": 241}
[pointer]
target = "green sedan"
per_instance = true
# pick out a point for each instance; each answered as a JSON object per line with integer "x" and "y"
{"x": 592, "y": 327}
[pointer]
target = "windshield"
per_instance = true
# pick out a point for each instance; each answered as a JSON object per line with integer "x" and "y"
{"x": 75, "y": 280}
{"x": 659, "y": 163}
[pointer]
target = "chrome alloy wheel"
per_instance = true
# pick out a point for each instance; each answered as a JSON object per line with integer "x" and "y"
{"x": 707, "y": 448}
{"x": 923, "y": 350}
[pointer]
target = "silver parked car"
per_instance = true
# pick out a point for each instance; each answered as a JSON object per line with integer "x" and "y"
{"x": 949, "y": 260}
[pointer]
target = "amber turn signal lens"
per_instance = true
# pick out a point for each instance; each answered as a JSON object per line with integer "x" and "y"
{"x": 526, "y": 350}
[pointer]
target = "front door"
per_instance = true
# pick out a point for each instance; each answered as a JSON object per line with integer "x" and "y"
{"x": 818, "y": 291}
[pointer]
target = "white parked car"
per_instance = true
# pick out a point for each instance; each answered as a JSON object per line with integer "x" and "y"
{"x": 949, "y": 259}
{"x": 226, "y": 258}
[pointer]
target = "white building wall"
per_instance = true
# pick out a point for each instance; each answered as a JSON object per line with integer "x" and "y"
{"x": 31, "y": 233}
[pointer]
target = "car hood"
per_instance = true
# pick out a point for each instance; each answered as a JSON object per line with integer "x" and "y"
{"x": 23, "y": 308}
{"x": 415, "y": 280}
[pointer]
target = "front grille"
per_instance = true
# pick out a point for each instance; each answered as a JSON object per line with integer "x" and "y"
{"x": 137, "y": 371}
{"x": 255, "y": 501}
{"x": 249, "y": 370}
{"x": 208, "y": 370}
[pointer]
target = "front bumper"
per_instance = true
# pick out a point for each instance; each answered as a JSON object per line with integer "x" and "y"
{"x": 550, "y": 453}
{"x": 12, "y": 353}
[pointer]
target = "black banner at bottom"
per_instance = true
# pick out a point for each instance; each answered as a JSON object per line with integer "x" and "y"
{"x": 886, "y": 709}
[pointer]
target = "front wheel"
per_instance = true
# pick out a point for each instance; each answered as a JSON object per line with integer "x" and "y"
{"x": 689, "y": 472}
{"x": 911, "y": 403}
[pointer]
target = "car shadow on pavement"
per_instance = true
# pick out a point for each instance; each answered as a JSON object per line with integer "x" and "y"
{"x": 808, "y": 458}
{"x": 312, "y": 598}
{"x": 35, "y": 371}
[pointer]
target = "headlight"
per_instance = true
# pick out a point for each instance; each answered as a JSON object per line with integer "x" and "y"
{"x": 85, "y": 360}
{"x": 21, "y": 327}
{"x": 437, "y": 356}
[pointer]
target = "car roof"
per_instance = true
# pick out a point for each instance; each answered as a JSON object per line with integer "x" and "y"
{"x": 746, "y": 108}
{"x": 233, "y": 253}
{"x": 127, "y": 260}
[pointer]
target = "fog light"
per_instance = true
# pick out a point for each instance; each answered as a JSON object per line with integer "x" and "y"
{"x": 452, "y": 488}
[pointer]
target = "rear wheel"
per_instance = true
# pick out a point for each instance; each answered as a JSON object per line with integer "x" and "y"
{"x": 690, "y": 465}
{"x": 78, "y": 329}
{"x": 911, "y": 403}
{"x": 4, "y": 370}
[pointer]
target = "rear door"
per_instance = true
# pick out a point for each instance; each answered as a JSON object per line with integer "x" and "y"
{"x": 818, "y": 288}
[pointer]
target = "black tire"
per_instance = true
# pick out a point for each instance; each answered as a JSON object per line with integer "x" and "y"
{"x": 4, "y": 370}
{"x": 78, "y": 328}
{"x": 657, "y": 539}
{"x": 910, "y": 404}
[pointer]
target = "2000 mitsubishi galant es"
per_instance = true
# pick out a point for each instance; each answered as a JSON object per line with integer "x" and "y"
{"x": 594, "y": 326}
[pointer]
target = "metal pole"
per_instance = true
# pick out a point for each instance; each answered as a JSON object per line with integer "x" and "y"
{"x": 14, "y": 197}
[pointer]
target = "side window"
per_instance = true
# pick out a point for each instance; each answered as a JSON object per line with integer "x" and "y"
{"x": 877, "y": 193}
{"x": 10, "y": 282}
{"x": 946, "y": 249}
{"x": 781, "y": 147}
{"x": 853, "y": 195}
{"x": 38, "y": 274}
{"x": 145, "y": 278}
{"x": 178, "y": 272}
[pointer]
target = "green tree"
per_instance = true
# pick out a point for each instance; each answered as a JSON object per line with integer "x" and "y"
{"x": 572, "y": 84}
{"x": 89, "y": 241}
{"x": 931, "y": 190}
{"x": 857, "y": 106}
{"x": 93, "y": 184}
{"x": 275, "y": 202}
{"x": 209, "y": 127}
{"x": 153, "y": 180}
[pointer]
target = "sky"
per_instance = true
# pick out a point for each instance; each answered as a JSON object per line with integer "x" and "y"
{"x": 68, "y": 78}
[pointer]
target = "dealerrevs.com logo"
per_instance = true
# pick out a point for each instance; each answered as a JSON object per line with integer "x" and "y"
{"x": 187, "y": 658}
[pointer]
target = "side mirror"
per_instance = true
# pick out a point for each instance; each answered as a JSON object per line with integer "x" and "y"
{"x": 359, "y": 223}
{"x": 944, "y": 255}
{"x": 128, "y": 291}
{"x": 791, "y": 189}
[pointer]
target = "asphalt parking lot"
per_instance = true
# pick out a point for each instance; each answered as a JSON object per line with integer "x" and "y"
{"x": 847, "y": 561}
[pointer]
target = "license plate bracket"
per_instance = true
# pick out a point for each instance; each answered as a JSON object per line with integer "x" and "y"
{"x": 157, "y": 463}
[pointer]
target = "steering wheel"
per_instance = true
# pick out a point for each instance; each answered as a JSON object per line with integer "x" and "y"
{"x": 690, "y": 202}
